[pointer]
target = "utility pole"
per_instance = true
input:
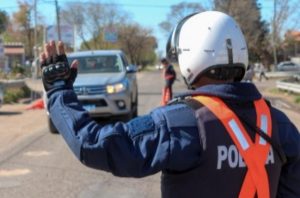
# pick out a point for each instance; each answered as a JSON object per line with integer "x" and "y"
{"x": 274, "y": 33}
{"x": 57, "y": 20}
{"x": 35, "y": 46}
{"x": 74, "y": 37}
{"x": 35, "y": 23}
{"x": 35, "y": 49}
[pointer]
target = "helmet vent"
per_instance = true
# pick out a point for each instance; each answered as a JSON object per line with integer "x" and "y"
{"x": 190, "y": 76}
{"x": 229, "y": 51}
{"x": 209, "y": 51}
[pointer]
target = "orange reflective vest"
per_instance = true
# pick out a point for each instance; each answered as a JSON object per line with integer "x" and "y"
{"x": 254, "y": 153}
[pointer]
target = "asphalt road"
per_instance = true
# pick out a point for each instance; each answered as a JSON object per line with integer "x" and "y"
{"x": 38, "y": 164}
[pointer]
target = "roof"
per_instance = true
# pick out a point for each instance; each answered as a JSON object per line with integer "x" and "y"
{"x": 13, "y": 48}
{"x": 293, "y": 34}
{"x": 94, "y": 52}
{"x": 14, "y": 51}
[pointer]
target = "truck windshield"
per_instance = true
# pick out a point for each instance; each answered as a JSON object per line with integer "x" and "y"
{"x": 98, "y": 64}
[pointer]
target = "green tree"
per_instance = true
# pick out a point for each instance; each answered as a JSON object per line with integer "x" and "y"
{"x": 75, "y": 15}
{"x": 178, "y": 12}
{"x": 22, "y": 21}
{"x": 138, "y": 43}
{"x": 91, "y": 20}
{"x": 247, "y": 14}
{"x": 3, "y": 21}
{"x": 20, "y": 28}
{"x": 286, "y": 17}
{"x": 291, "y": 44}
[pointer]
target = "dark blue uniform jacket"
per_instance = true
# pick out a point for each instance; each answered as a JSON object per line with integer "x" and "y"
{"x": 168, "y": 139}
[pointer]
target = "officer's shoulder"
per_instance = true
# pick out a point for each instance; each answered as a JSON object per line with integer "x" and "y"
{"x": 175, "y": 114}
{"x": 187, "y": 101}
{"x": 280, "y": 116}
{"x": 268, "y": 102}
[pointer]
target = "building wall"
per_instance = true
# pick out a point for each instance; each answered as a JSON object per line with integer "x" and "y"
{"x": 296, "y": 60}
{"x": 14, "y": 54}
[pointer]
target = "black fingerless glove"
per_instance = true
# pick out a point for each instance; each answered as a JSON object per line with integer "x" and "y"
{"x": 57, "y": 74}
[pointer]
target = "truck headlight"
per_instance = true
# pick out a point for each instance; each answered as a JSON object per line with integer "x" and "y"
{"x": 116, "y": 88}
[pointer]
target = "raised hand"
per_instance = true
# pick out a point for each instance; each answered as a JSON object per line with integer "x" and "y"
{"x": 56, "y": 71}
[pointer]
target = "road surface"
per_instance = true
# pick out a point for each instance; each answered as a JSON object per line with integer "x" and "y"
{"x": 35, "y": 163}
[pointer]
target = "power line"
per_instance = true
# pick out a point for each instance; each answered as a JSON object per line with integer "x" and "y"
{"x": 118, "y": 4}
{"x": 8, "y": 7}
{"x": 57, "y": 20}
{"x": 92, "y": 2}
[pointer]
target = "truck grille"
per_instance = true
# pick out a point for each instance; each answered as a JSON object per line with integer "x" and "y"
{"x": 90, "y": 90}
{"x": 96, "y": 102}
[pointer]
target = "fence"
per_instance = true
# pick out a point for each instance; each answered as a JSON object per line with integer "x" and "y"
{"x": 288, "y": 86}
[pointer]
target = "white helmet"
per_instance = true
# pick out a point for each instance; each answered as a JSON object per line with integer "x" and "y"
{"x": 208, "y": 42}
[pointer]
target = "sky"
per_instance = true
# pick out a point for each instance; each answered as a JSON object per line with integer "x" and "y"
{"x": 148, "y": 13}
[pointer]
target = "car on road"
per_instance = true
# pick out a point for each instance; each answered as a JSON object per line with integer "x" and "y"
{"x": 106, "y": 84}
{"x": 158, "y": 66}
{"x": 288, "y": 66}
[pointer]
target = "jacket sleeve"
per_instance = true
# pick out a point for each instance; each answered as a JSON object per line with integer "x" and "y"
{"x": 141, "y": 147}
{"x": 289, "y": 183}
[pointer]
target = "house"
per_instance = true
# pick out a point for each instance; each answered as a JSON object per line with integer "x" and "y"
{"x": 292, "y": 44}
{"x": 293, "y": 34}
{"x": 14, "y": 54}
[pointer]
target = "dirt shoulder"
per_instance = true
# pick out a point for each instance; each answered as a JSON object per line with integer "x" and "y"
{"x": 16, "y": 123}
{"x": 287, "y": 103}
{"x": 268, "y": 89}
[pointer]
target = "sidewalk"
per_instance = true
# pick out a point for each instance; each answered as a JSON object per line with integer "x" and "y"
{"x": 282, "y": 101}
{"x": 35, "y": 85}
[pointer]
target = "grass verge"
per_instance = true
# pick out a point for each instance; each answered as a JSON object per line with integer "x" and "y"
{"x": 293, "y": 97}
{"x": 13, "y": 95}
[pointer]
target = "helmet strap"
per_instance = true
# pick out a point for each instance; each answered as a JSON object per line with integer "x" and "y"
{"x": 189, "y": 86}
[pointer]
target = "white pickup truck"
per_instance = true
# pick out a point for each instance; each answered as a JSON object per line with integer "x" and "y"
{"x": 106, "y": 85}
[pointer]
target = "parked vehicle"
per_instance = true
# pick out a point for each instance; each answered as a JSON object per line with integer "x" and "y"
{"x": 297, "y": 77}
{"x": 288, "y": 66}
{"x": 106, "y": 84}
{"x": 159, "y": 66}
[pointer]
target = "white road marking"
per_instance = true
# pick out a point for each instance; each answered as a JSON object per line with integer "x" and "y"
{"x": 37, "y": 153}
{"x": 14, "y": 172}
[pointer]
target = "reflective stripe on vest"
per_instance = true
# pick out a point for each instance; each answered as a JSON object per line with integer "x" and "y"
{"x": 254, "y": 154}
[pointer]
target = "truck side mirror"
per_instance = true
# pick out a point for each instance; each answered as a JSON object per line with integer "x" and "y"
{"x": 131, "y": 69}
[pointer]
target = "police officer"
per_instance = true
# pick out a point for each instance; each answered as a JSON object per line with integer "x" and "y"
{"x": 220, "y": 140}
{"x": 169, "y": 75}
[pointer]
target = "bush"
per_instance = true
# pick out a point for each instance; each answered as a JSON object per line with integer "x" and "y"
{"x": 18, "y": 70}
{"x": 13, "y": 95}
{"x": 297, "y": 99}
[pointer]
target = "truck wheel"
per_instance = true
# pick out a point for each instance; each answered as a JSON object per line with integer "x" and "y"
{"x": 51, "y": 126}
{"x": 134, "y": 106}
{"x": 133, "y": 111}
